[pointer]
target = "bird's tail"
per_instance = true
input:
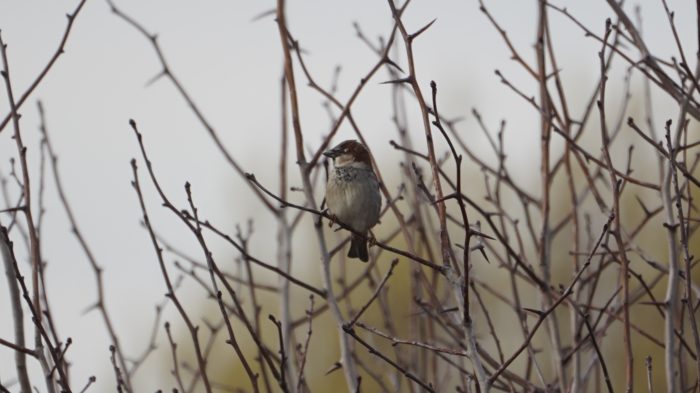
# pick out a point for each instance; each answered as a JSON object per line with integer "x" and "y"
{"x": 358, "y": 248}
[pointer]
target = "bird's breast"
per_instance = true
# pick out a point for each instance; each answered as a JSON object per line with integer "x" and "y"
{"x": 352, "y": 195}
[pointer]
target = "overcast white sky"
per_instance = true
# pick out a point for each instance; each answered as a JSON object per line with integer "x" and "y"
{"x": 231, "y": 66}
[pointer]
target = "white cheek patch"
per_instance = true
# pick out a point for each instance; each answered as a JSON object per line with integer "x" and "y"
{"x": 343, "y": 159}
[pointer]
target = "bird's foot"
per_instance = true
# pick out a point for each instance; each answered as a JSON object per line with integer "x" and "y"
{"x": 371, "y": 240}
{"x": 333, "y": 219}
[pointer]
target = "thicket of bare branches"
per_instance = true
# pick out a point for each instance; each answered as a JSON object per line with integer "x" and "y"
{"x": 577, "y": 279}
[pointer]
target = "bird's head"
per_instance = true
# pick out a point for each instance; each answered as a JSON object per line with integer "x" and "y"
{"x": 349, "y": 153}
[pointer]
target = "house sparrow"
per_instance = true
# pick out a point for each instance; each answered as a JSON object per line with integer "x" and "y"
{"x": 352, "y": 193}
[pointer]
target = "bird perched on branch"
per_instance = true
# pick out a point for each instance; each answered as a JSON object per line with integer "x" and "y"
{"x": 352, "y": 193}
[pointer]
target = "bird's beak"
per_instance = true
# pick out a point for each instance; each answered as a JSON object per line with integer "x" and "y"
{"x": 331, "y": 153}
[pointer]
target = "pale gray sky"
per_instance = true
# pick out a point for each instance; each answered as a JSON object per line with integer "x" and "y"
{"x": 231, "y": 67}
